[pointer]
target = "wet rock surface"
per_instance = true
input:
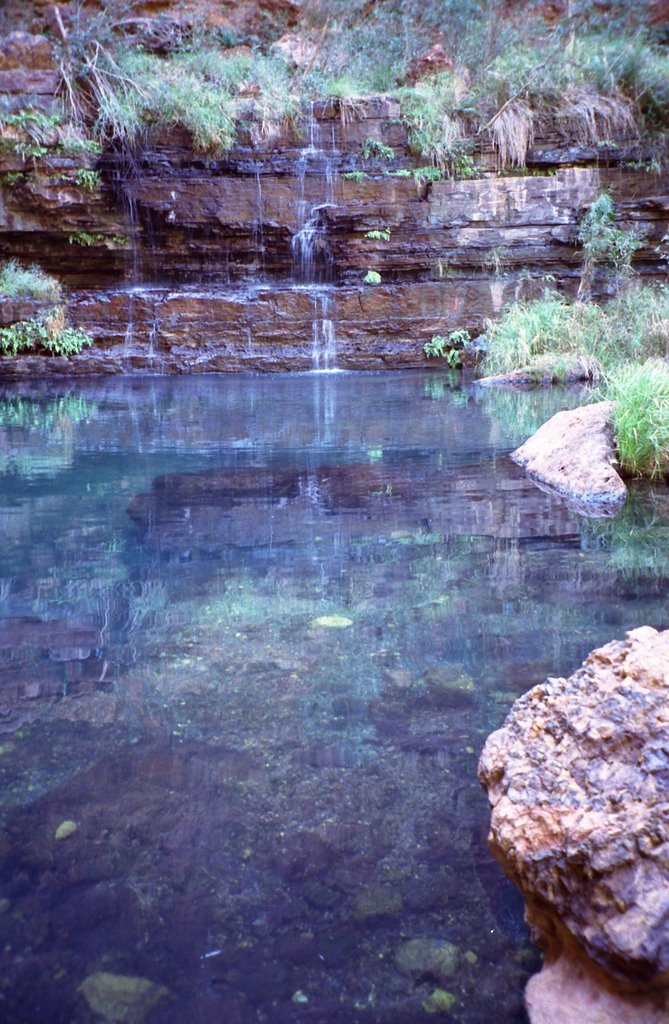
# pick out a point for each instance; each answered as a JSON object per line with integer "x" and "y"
{"x": 256, "y": 259}
{"x": 574, "y": 454}
{"x": 578, "y": 781}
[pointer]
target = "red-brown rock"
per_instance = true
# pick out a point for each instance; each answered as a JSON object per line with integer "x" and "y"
{"x": 21, "y": 50}
{"x": 431, "y": 62}
{"x": 578, "y": 781}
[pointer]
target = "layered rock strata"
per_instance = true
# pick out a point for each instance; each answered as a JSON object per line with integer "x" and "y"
{"x": 578, "y": 781}
{"x": 290, "y": 213}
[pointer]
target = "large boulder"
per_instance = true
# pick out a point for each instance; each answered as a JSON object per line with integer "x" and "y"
{"x": 574, "y": 454}
{"x": 578, "y": 782}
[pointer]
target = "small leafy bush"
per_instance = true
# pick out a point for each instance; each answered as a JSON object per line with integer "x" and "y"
{"x": 449, "y": 348}
{"x": 27, "y": 282}
{"x": 355, "y": 175}
{"x": 427, "y": 174}
{"x": 374, "y": 149}
{"x": 89, "y": 181}
{"x": 378, "y": 234}
{"x": 29, "y": 133}
{"x": 641, "y": 416}
{"x": 48, "y": 335}
{"x": 86, "y": 239}
{"x": 372, "y": 277}
{"x": 604, "y": 243}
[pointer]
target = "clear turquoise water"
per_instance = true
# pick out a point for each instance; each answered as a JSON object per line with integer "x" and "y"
{"x": 249, "y": 780}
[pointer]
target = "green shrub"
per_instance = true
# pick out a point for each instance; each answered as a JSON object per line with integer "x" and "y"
{"x": 555, "y": 337}
{"x": 426, "y": 174}
{"x": 374, "y": 149}
{"x": 378, "y": 234}
{"x": 86, "y": 239}
{"x": 450, "y": 348}
{"x": 32, "y": 132}
{"x": 87, "y": 180}
{"x": 641, "y": 416}
{"x": 604, "y": 243}
{"x": 47, "y": 335}
{"x": 27, "y": 282}
{"x": 372, "y": 277}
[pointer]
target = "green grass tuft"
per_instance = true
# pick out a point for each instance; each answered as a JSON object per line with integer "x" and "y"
{"x": 18, "y": 282}
{"x": 641, "y": 416}
{"x": 202, "y": 90}
{"x": 554, "y": 337}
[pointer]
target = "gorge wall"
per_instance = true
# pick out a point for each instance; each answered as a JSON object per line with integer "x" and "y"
{"x": 177, "y": 262}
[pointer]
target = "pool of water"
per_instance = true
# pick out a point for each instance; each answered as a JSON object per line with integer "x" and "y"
{"x": 253, "y": 634}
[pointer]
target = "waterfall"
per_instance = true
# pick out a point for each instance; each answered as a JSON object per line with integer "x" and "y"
{"x": 312, "y": 261}
{"x": 323, "y": 337}
{"x": 258, "y": 224}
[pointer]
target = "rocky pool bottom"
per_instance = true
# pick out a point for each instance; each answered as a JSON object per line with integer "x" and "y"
{"x": 254, "y": 633}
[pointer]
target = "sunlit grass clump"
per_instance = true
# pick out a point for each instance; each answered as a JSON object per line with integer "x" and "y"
{"x": 640, "y": 394}
{"x": 555, "y": 337}
{"x": 17, "y": 282}
{"x": 204, "y": 91}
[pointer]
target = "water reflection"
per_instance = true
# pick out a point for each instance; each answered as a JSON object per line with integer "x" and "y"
{"x": 253, "y": 633}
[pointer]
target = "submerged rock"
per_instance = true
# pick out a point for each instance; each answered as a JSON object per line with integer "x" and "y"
{"x": 578, "y": 780}
{"x": 331, "y": 622}
{"x": 573, "y": 453}
{"x": 450, "y": 686}
{"x": 121, "y": 998}
{"x": 377, "y": 901}
{"x": 428, "y": 958}
{"x": 440, "y": 1002}
{"x": 66, "y": 829}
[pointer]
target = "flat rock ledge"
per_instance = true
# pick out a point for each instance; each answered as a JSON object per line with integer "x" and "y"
{"x": 578, "y": 782}
{"x": 572, "y": 453}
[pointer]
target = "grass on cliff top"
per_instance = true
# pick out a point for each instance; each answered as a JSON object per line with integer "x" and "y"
{"x": 550, "y": 335}
{"x": 203, "y": 90}
{"x": 17, "y": 282}
{"x": 593, "y": 75}
{"x": 640, "y": 394}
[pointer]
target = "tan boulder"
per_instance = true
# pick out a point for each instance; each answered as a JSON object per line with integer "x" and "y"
{"x": 573, "y": 453}
{"x": 578, "y": 781}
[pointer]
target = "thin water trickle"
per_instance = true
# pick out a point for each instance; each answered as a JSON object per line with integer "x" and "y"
{"x": 259, "y": 226}
{"x": 312, "y": 262}
{"x": 312, "y": 259}
{"x": 130, "y": 326}
{"x": 126, "y": 171}
{"x": 324, "y": 339}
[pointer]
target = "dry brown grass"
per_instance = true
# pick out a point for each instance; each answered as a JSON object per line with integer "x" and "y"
{"x": 512, "y": 133}
{"x": 589, "y": 118}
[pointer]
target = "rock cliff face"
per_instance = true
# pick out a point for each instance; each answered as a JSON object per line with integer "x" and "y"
{"x": 177, "y": 261}
{"x": 578, "y": 782}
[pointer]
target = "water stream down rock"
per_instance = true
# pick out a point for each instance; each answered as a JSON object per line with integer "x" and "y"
{"x": 578, "y": 781}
